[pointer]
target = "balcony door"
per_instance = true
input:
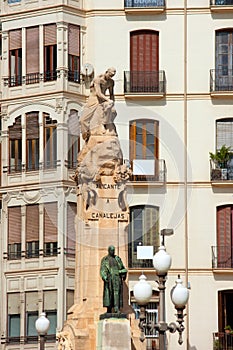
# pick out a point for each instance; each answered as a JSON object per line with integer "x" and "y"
{"x": 144, "y": 61}
{"x": 225, "y": 236}
{"x": 225, "y": 307}
{"x": 224, "y": 60}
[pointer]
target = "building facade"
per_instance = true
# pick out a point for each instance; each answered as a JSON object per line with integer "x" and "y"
{"x": 174, "y": 99}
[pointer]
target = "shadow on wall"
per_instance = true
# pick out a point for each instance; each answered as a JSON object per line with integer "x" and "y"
{"x": 192, "y": 347}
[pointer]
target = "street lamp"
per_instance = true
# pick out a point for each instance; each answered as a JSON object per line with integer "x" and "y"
{"x": 42, "y": 326}
{"x": 179, "y": 296}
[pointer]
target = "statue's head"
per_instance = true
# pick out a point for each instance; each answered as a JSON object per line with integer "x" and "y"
{"x": 110, "y": 72}
{"x": 111, "y": 250}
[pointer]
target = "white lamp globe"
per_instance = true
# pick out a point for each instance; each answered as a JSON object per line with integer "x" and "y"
{"x": 162, "y": 261}
{"x": 42, "y": 324}
{"x": 142, "y": 291}
{"x": 179, "y": 294}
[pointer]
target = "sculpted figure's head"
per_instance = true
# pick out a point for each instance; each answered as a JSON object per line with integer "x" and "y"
{"x": 111, "y": 250}
{"x": 110, "y": 72}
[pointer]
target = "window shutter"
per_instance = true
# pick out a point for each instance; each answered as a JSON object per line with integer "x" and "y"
{"x": 14, "y": 225}
{"x": 50, "y": 300}
{"x": 224, "y": 242}
{"x": 32, "y": 50}
{"x": 50, "y": 34}
{"x": 50, "y": 222}
{"x": 71, "y": 233}
{"x": 13, "y": 306}
{"x": 15, "y": 131}
{"x": 32, "y": 301}
{"x": 73, "y": 40}
{"x": 224, "y": 131}
{"x": 73, "y": 123}
{"x": 32, "y": 126}
{"x": 32, "y": 223}
{"x": 15, "y": 39}
{"x": 132, "y": 137}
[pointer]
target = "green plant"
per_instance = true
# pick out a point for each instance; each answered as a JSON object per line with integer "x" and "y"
{"x": 221, "y": 157}
{"x": 228, "y": 328}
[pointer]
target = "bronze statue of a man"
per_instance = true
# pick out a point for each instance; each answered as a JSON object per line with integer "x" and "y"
{"x": 113, "y": 273}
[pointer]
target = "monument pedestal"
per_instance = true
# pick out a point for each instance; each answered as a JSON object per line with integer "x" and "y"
{"x": 114, "y": 334}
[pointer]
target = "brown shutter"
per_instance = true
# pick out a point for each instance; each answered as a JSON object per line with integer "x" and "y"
{"x": 50, "y": 34}
{"x": 50, "y": 222}
{"x": 15, "y": 39}
{"x": 224, "y": 236}
{"x": 14, "y": 225}
{"x": 32, "y": 223}
{"x": 71, "y": 234}
{"x": 32, "y": 126}
{"x": 132, "y": 140}
{"x": 73, "y": 40}
{"x": 15, "y": 131}
{"x": 32, "y": 50}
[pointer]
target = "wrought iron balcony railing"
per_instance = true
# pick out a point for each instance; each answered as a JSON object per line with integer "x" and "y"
{"x": 222, "y": 257}
{"x": 223, "y": 173}
{"x": 135, "y": 263}
{"x": 221, "y": 2}
{"x": 144, "y": 82}
{"x": 145, "y": 3}
{"x": 151, "y": 170}
{"x": 222, "y": 341}
{"x": 221, "y": 80}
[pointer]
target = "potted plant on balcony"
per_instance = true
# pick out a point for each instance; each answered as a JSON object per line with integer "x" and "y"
{"x": 228, "y": 329}
{"x": 220, "y": 159}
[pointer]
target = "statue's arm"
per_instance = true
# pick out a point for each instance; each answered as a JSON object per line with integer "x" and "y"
{"x": 104, "y": 271}
{"x": 111, "y": 91}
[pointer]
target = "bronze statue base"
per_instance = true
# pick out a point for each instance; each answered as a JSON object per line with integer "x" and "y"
{"x": 112, "y": 315}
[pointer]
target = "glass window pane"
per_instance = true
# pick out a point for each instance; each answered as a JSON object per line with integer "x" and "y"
{"x": 31, "y": 319}
{"x": 14, "y": 326}
{"x": 52, "y": 316}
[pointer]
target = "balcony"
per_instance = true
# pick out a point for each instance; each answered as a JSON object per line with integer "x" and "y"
{"x": 144, "y": 83}
{"x": 221, "y": 175}
{"x": 149, "y": 170}
{"x": 222, "y": 257}
{"x": 221, "y": 5}
{"x": 221, "y": 82}
{"x": 222, "y": 341}
{"x": 144, "y": 6}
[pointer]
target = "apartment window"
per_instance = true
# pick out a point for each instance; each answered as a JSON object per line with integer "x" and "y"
{"x": 50, "y": 229}
{"x": 32, "y": 231}
{"x": 50, "y": 52}
{"x": 224, "y": 133}
{"x": 224, "y": 60}
{"x": 224, "y": 236}
{"x": 15, "y": 57}
{"x": 50, "y": 142}
{"x": 14, "y": 232}
{"x": 50, "y": 308}
{"x": 144, "y": 148}
{"x": 32, "y": 55}
{"x": 143, "y": 230}
{"x": 74, "y": 53}
{"x": 31, "y": 315}
{"x": 151, "y": 317}
{"x": 32, "y": 140}
{"x": 144, "y": 61}
{"x": 69, "y": 299}
{"x": 73, "y": 139}
{"x": 13, "y": 313}
{"x": 15, "y": 146}
{"x": 71, "y": 232}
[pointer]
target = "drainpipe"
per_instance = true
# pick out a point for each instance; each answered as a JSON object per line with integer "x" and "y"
{"x": 186, "y": 164}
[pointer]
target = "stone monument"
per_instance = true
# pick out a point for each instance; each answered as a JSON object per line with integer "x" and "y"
{"x": 101, "y": 221}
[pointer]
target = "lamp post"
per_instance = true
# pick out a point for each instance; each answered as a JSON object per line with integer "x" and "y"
{"x": 179, "y": 296}
{"x": 42, "y": 326}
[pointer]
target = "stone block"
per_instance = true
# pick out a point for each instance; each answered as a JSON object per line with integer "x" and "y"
{"x": 114, "y": 334}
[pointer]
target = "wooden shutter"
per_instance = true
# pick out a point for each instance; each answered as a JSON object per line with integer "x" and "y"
{"x": 71, "y": 233}
{"x": 32, "y": 223}
{"x": 132, "y": 137}
{"x": 15, "y": 131}
{"x": 50, "y": 222}
{"x": 224, "y": 133}
{"x": 50, "y": 34}
{"x": 32, "y": 300}
{"x": 32, "y": 126}
{"x": 14, "y": 225}
{"x": 32, "y": 50}
{"x": 74, "y": 40}
{"x": 224, "y": 235}
{"x": 15, "y": 39}
{"x": 144, "y": 50}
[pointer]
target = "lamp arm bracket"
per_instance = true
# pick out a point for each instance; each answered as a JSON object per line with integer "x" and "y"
{"x": 172, "y": 327}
